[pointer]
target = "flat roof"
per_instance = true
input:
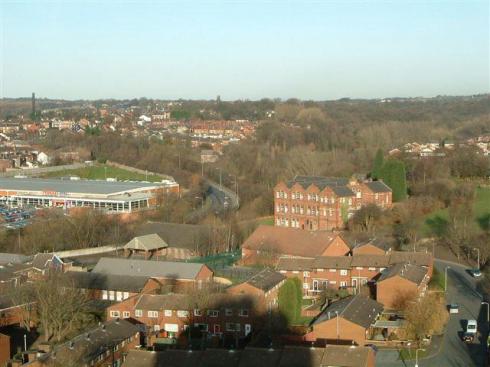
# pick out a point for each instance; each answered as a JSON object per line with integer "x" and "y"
{"x": 97, "y": 187}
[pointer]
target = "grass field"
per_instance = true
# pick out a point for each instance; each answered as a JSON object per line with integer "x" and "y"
{"x": 436, "y": 222}
{"x": 101, "y": 172}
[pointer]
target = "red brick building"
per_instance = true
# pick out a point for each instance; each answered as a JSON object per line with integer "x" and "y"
{"x": 346, "y": 321}
{"x": 263, "y": 286}
{"x": 350, "y": 272}
{"x": 325, "y": 203}
{"x": 268, "y": 243}
{"x": 170, "y": 315}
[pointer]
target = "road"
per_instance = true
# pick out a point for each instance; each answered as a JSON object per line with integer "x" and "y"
{"x": 453, "y": 352}
{"x": 222, "y": 198}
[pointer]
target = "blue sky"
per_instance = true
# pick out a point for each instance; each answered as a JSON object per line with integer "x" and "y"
{"x": 244, "y": 49}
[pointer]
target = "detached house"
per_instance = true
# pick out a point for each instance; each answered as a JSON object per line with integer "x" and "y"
{"x": 347, "y": 320}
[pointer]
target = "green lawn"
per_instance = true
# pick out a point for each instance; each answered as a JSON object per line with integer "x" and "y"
{"x": 268, "y": 221}
{"x": 436, "y": 222}
{"x": 101, "y": 172}
{"x": 437, "y": 280}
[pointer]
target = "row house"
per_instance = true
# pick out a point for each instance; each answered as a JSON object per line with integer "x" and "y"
{"x": 109, "y": 287}
{"x": 353, "y": 272}
{"x": 169, "y": 316}
{"x": 268, "y": 243}
{"x": 264, "y": 287}
{"x": 289, "y": 356}
{"x": 105, "y": 345}
{"x": 179, "y": 275}
{"x": 325, "y": 203}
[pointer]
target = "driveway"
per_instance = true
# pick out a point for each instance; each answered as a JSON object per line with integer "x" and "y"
{"x": 453, "y": 352}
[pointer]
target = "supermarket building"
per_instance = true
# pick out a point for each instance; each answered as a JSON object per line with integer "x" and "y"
{"x": 109, "y": 196}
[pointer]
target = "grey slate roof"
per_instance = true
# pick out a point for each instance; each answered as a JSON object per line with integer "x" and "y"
{"x": 319, "y": 181}
{"x": 155, "y": 302}
{"x": 332, "y": 262}
{"x": 413, "y": 273}
{"x": 415, "y": 258}
{"x": 146, "y": 243}
{"x": 365, "y": 260}
{"x": 148, "y": 268}
{"x": 342, "y": 191}
{"x": 358, "y": 309}
{"x": 90, "y": 280}
{"x": 378, "y": 186}
{"x": 295, "y": 264}
{"x": 101, "y": 339}
{"x": 266, "y": 279}
{"x": 97, "y": 187}
{"x": 6, "y": 258}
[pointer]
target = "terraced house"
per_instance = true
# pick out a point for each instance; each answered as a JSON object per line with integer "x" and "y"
{"x": 319, "y": 203}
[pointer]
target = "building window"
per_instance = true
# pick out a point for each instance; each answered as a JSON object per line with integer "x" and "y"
{"x": 230, "y": 326}
{"x": 201, "y": 327}
{"x": 359, "y": 267}
{"x": 115, "y": 314}
{"x": 105, "y": 295}
{"x": 126, "y": 314}
{"x": 333, "y": 270}
{"x": 197, "y": 312}
{"x": 229, "y": 312}
{"x": 319, "y": 270}
{"x": 306, "y": 274}
{"x": 156, "y": 327}
{"x": 126, "y": 295}
{"x": 153, "y": 314}
{"x": 305, "y": 285}
{"x": 138, "y": 313}
{"x": 182, "y": 313}
{"x": 213, "y": 313}
{"x": 168, "y": 313}
{"x": 343, "y": 284}
{"x": 372, "y": 269}
{"x": 343, "y": 272}
{"x": 243, "y": 313}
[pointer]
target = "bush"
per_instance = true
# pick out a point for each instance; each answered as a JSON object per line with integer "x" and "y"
{"x": 290, "y": 300}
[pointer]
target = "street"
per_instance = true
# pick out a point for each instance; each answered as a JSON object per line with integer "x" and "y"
{"x": 453, "y": 352}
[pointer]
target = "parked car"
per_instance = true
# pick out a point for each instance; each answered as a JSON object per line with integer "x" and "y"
{"x": 453, "y": 308}
{"x": 475, "y": 273}
{"x": 471, "y": 327}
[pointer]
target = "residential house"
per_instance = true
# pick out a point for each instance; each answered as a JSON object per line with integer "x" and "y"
{"x": 289, "y": 356}
{"x": 110, "y": 287}
{"x": 264, "y": 286}
{"x": 346, "y": 321}
{"x": 4, "y": 349}
{"x": 170, "y": 315}
{"x": 268, "y": 243}
{"x": 104, "y": 345}
{"x": 400, "y": 281}
{"x": 373, "y": 246}
{"x": 178, "y": 274}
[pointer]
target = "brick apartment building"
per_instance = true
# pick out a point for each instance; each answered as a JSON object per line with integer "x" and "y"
{"x": 168, "y": 316}
{"x": 352, "y": 272}
{"x": 325, "y": 203}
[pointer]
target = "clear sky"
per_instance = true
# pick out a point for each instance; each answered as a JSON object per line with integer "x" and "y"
{"x": 244, "y": 49}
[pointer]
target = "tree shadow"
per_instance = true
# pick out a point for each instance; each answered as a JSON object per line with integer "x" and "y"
{"x": 484, "y": 221}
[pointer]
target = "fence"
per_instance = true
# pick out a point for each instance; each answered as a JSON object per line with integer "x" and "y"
{"x": 218, "y": 261}
{"x": 41, "y": 170}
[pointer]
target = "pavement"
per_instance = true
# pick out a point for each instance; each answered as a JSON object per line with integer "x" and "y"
{"x": 449, "y": 350}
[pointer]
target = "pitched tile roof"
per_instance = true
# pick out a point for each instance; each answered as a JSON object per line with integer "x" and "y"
{"x": 289, "y": 241}
{"x": 148, "y": 268}
{"x": 91, "y": 280}
{"x": 266, "y": 279}
{"x": 381, "y": 261}
{"x": 415, "y": 258}
{"x": 358, "y": 309}
{"x": 377, "y": 186}
{"x": 413, "y": 273}
{"x": 295, "y": 264}
{"x": 146, "y": 243}
{"x": 332, "y": 262}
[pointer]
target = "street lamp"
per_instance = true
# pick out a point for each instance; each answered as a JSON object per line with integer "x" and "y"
{"x": 445, "y": 278}
{"x": 417, "y": 356}
{"x": 478, "y": 250}
{"x": 488, "y": 310}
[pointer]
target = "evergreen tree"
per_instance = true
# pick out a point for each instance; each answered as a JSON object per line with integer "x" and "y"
{"x": 394, "y": 175}
{"x": 377, "y": 165}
